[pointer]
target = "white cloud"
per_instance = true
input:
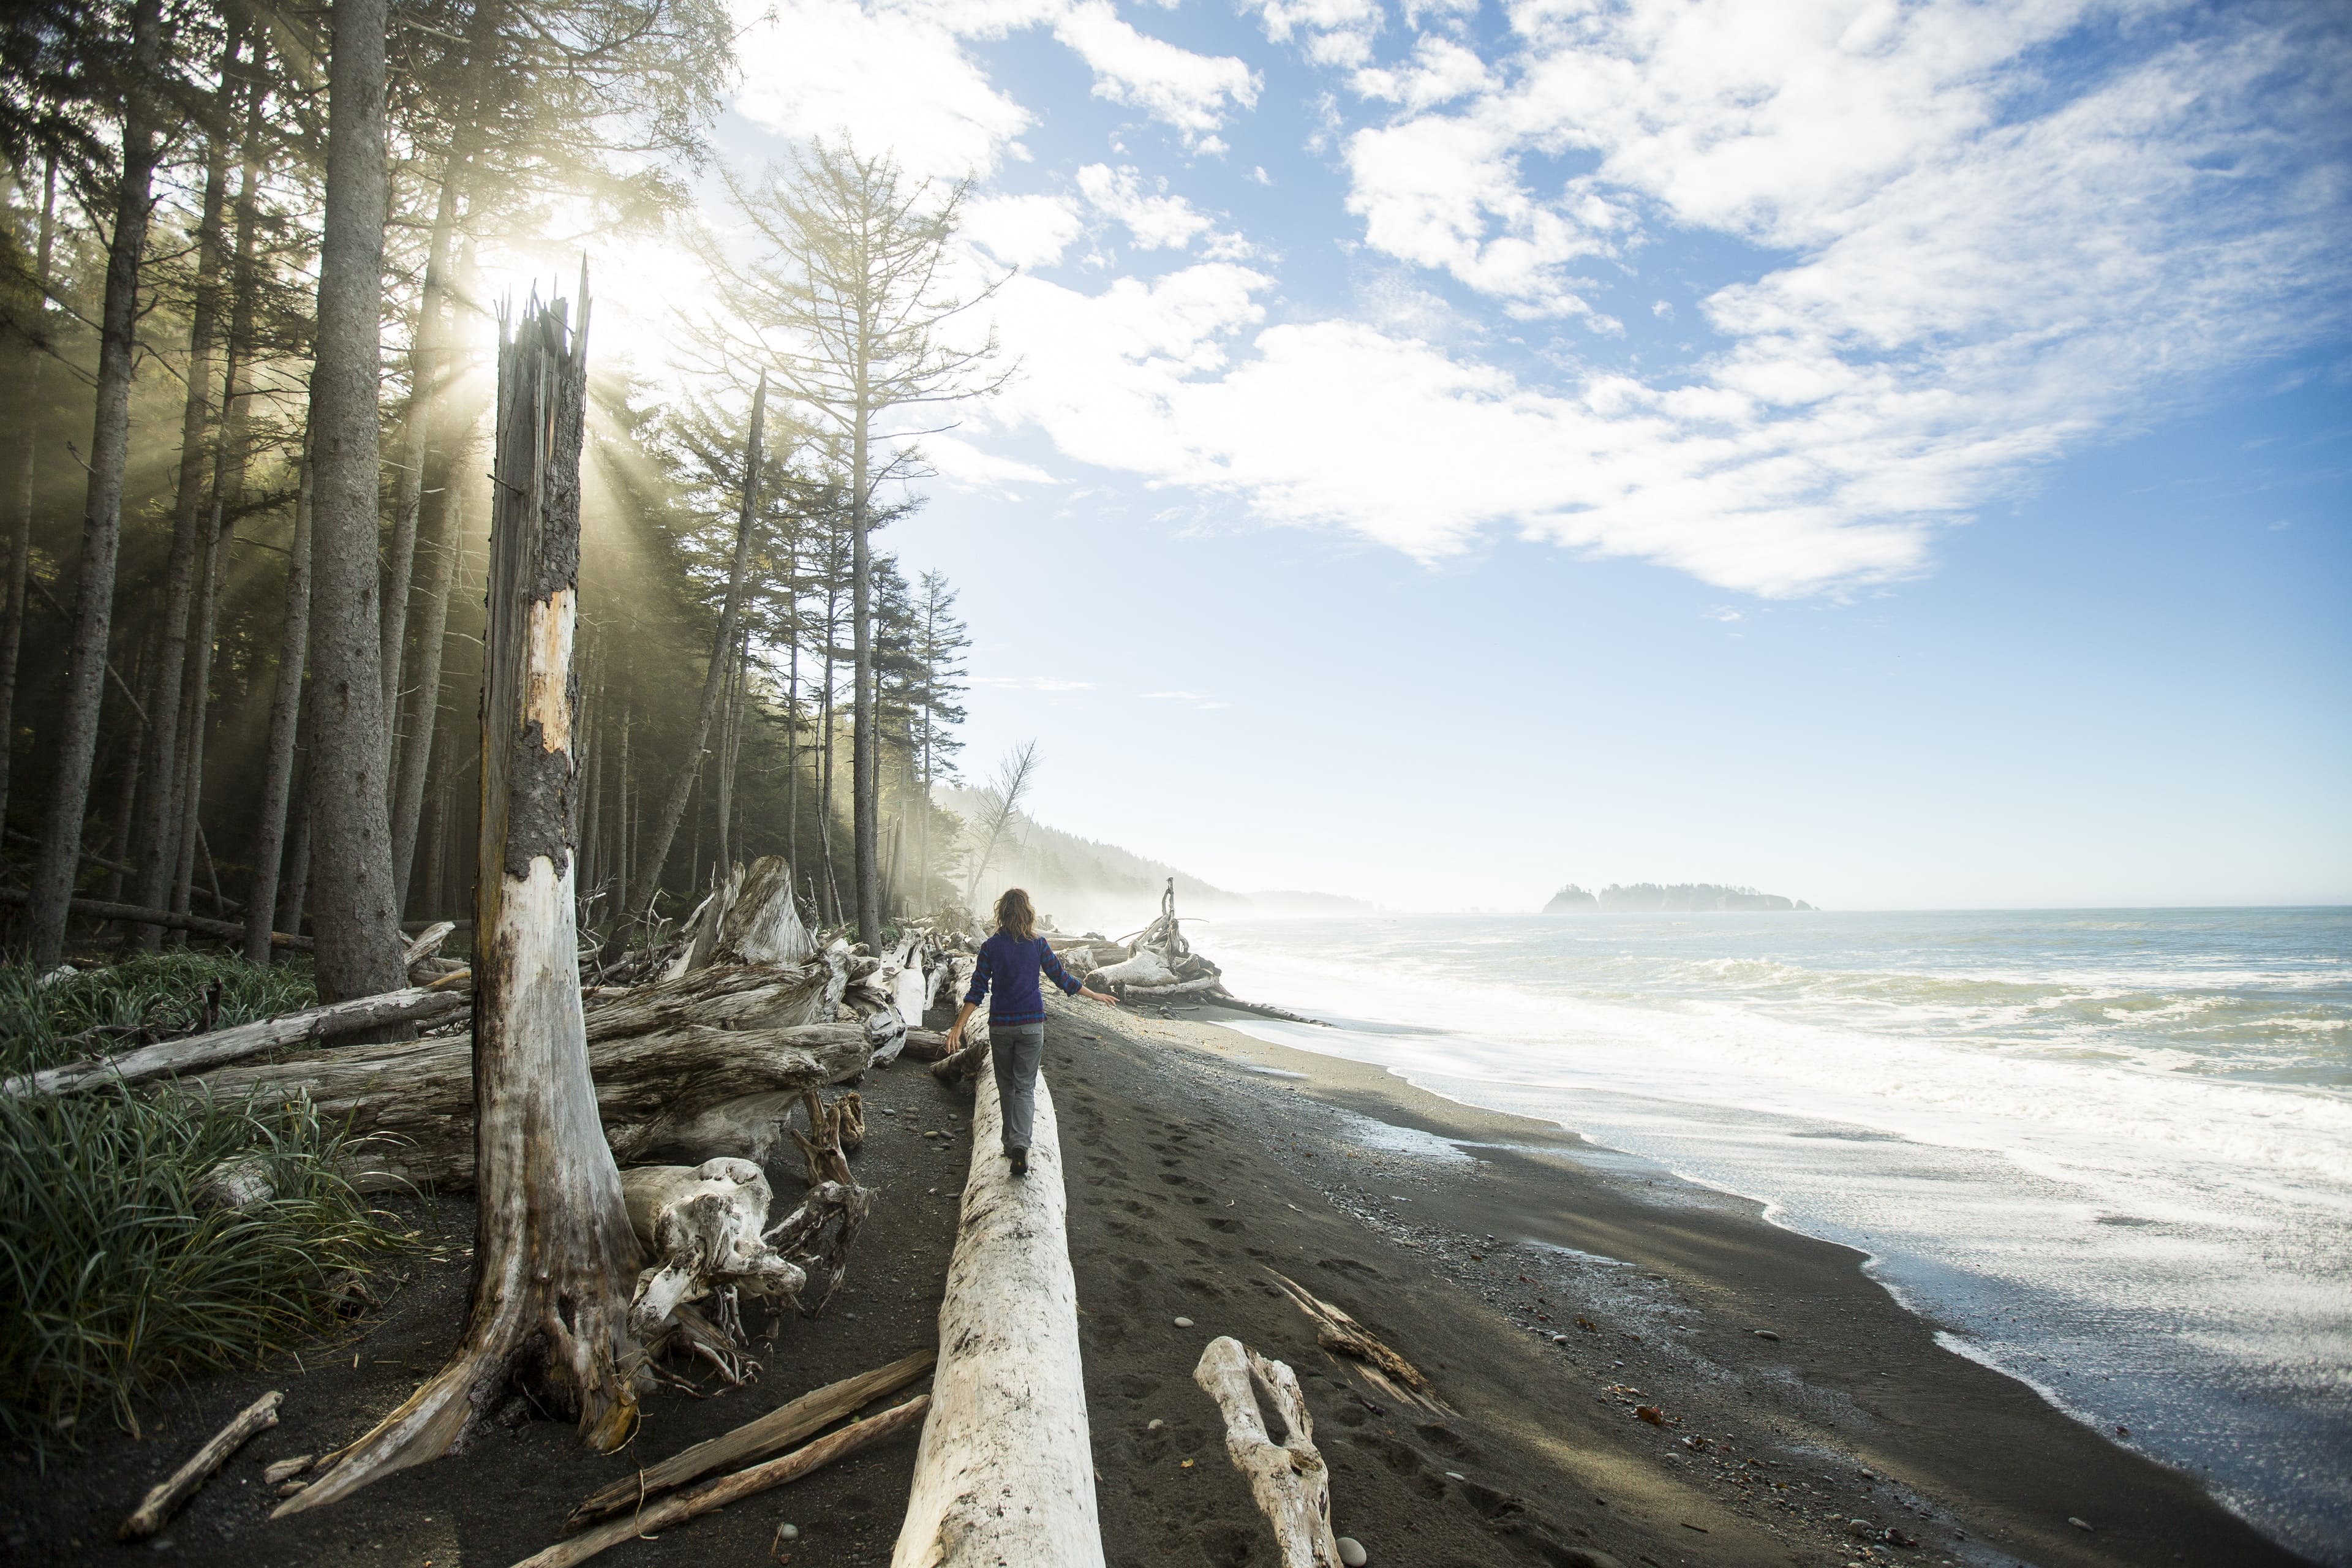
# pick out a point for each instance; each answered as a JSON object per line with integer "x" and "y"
{"x": 1442, "y": 71}
{"x": 1189, "y": 91}
{"x": 892, "y": 76}
{"x": 960, "y": 463}
{"x": 1154, "y": 219}
{"x": 1031, "y": 683}
{"x": 1330, "y": 32}
{"x": 1023, "y": 231}
{"x": 1200, "y": 700}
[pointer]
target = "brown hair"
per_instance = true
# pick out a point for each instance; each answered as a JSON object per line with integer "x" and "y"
{"x": 1016, "y": 916}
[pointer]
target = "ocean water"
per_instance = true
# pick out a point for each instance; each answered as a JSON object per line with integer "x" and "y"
{"x": 2110, "y": 1152}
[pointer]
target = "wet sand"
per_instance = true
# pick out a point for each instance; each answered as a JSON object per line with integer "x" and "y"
{"x": 1199, "y": 1161}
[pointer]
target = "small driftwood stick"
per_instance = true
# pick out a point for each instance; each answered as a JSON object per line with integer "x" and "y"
{"x": 1338, "y": 1332}
{"x": 197, "y": 1053}
{"x": 683, "y": 1506}
{"x": 779, "y": 1428}
{"x": 165, "y": 1499}
{"x": 1286, "y": 1476}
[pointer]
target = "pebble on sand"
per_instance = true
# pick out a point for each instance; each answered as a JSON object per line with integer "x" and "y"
{"x": 2077, "y": 1523}
{"x": 1765, "y": 1334}
{"x": 1154, "y": 1425}
{"x": 1352, "y": 1552}
{"x": 1182, "y": 1323}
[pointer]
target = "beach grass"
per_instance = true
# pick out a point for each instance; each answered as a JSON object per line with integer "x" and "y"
{"x": 67, "y": 1014}
{"x": 119, "y": 1269}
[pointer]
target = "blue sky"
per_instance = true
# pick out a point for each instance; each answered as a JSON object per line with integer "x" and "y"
{"x": 1893, "y": 456}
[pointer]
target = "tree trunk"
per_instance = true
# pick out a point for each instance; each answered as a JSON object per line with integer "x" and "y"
{"x": 161, "y": 833}
{"x": 554, "y": 1257}
{"x": 84, "y": 685}
{"x": 285, "y": 713}
{"x": 296, "y": 881}
{"x": 356, "y": 922}
{"x": 864, "y": 775}
{"x": 195, "y": 704}
{"x": 20, "y": 538}
{"x": 432, "y": 639}
{"x": 649, "y": 869}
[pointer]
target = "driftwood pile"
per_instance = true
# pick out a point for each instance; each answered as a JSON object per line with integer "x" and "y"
{"x": 1157, "y": 963}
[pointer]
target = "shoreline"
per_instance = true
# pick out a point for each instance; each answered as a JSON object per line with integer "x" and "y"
{"x": 1676, "y": 1277}
{"x": 1200, "y": 1160}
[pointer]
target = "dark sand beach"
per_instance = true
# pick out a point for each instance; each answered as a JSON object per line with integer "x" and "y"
{"x": 1199, "y": 1161}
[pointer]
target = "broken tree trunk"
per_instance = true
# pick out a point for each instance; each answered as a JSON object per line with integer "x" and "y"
{"x": 169, "y": 1494}
{"x": 555, "y": 1260}
{"x": 1005, "y": 1472}
{"x": 1286, "y": 1474}
{"x": 687, "y": 1068}
{"x": 195, "y": 1052}
{"x": 779, "y": 1428}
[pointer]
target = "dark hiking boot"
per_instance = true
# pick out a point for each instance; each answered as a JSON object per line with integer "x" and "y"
{"x": 1020, "y": 1158}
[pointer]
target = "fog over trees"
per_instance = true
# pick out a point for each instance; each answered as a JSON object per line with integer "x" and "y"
{"x": 254, "y": 260}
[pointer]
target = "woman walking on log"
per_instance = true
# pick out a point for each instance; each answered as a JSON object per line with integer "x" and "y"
{"x": 1010, "y": 962}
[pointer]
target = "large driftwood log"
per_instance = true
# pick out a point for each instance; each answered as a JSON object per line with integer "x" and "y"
{"x": 180, "y": 1485}
{"x": 1286, "y": 1474}
{"x": 665, "y": 1080}
{"x": 1005, "y": 1471}
{"x": 780, "y": 1428}
{"x": 196, "y": 1053}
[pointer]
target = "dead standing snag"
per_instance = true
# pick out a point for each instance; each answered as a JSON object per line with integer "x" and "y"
{"x": 555, "y": 1262}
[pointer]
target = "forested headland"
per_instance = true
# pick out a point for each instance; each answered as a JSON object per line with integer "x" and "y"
{"x": 246, "y": 254}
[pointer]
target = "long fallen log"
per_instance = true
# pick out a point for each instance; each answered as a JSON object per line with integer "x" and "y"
{"x": 182, "y": 1484}
{"x": 779, "y": 1428}
{"x": 683, "y": 1505}
{"x": 1005, "y": 1472}
{"x": 680, "y": 1068}
{"x": 101, "y": 909}
{"x": 195, "y": 1053}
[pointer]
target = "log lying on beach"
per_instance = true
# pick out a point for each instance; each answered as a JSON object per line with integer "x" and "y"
{"x": 1338, "y": 1332}
{"x": 1286, "y": 1474}
{"x": 925, "y": 1045}
{"x": 1005, "y": 1472}
{"x": 160, "y": 1503}
{"x": 685, "y": 1065}
{"x": 196, "y": 1053}
{"x": 677, "y": 1509}
{"x": 780, "y": 1428}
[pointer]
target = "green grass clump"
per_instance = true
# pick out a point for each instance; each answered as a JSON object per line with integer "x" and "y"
{"x": 92, "y": 1012}
{"x": 115, "y": 1273}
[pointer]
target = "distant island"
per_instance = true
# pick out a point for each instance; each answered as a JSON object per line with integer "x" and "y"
{"x": 1681, "y": 898}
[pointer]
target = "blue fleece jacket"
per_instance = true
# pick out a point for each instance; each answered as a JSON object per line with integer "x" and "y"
{"x": 1007, "y": 976}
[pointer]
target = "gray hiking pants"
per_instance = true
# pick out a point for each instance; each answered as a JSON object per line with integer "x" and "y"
{"x": 1015, "y": 1051}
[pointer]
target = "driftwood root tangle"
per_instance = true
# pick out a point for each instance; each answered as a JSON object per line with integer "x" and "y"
{"x": 182, "y": 1484}
{"x": 1285, "y": 1473}
{"x": 780, "y": 1428}
{"x": 832, "y": 1183}
{"x": 702, "y": 1228}
{"x": 1009, "y": 1417}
